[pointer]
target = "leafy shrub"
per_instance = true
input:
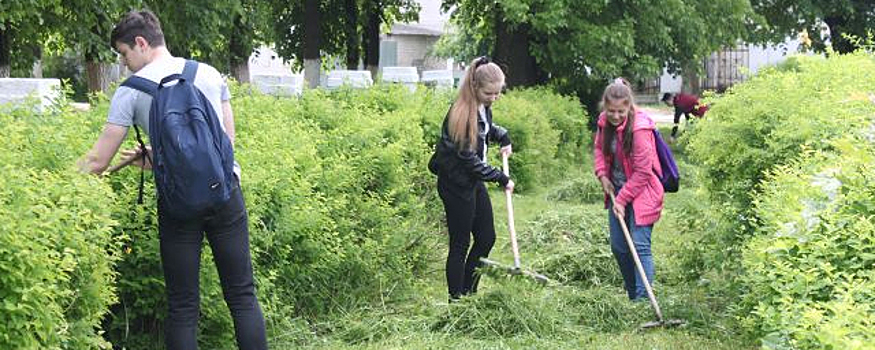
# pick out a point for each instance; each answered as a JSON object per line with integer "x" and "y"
{"x": 547, "y": 133}
{"x": 56, "y": 248}
{"x": 786, "y": 168}
{"x": 341, "y": 210}
{"x": 766, "y": 121}
{"x": 812, "y": 251}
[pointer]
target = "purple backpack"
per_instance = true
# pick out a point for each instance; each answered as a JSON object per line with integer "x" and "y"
{"x": 670, "y": 176}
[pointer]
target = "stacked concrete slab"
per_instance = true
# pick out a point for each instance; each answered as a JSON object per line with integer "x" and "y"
{"x": 354, "y": 78}
{"x": 402, "y": 75}
{"x": 438, "y": 78}
{"x": 279, "y": 85}
{"x": 17, "y": 90}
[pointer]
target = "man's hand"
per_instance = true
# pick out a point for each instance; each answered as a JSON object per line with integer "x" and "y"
{"x": 97, "y": 160}
{"x": 509, "y": 187}
{"x": 134, "y": 157}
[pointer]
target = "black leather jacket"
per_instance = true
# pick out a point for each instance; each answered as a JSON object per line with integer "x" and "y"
{"x": 460, "y": 171}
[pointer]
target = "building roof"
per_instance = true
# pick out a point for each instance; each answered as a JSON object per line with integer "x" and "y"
{"x": 415, "y": 29}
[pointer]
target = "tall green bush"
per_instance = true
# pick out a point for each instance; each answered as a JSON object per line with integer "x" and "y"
{"x": 786, "y": 165}
{"x": 813, "y": 250}
{"x": 766, "y": 121}
{"x": 56, "y": 244}
{"x": 342, "y": 210}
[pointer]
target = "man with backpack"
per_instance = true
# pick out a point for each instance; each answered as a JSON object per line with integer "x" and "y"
{"x": 185, "y": 108}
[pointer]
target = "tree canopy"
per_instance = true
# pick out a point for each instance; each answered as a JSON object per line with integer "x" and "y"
{"x": 579, "y": 44}
{"x": 788, "y": 18}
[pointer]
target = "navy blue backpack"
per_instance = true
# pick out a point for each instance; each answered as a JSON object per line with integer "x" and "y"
{"x": 192, "y": 157}
{"x": 670, "y": 176}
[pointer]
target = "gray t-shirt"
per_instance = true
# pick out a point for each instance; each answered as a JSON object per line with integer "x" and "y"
{"x": 130, "y": 106}
{"x": 618, "y": 174}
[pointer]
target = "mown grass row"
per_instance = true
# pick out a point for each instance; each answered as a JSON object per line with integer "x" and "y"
{"x": 562, "y": 230}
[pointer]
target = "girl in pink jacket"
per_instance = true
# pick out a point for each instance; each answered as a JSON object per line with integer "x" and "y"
{"x": 626, "y": 164}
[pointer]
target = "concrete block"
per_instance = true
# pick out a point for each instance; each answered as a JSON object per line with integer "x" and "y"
{"x": 400, "y": 74}
{"x": 354, "y": 78}
{"x": 279, "y": 85}
{"x": 17, "y": 90}
{"x": 438, "y": 78}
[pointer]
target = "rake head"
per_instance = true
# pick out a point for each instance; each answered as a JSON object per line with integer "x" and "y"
{"x": 664, "y": 323}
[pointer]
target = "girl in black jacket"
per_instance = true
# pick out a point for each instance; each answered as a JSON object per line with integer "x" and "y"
{"x": 460, "y": 163}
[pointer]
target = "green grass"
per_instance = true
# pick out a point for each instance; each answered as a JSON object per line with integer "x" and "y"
{"x": 589, "y": 312}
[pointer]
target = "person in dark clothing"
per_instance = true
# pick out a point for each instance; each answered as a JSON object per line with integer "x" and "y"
{"x": 685, "y": 104}
{"x": 139, "y": 40}
{"x": 460, "y": 163}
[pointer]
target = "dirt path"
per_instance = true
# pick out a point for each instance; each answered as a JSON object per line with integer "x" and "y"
{"x": 659, "y": 115}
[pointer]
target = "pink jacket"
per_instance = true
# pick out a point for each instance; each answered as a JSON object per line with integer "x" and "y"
{"x": 642, "y": 187}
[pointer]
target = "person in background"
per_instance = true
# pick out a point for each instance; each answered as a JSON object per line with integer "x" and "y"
{"x": 685, "y": 104}
{"x": 460, "y": 163}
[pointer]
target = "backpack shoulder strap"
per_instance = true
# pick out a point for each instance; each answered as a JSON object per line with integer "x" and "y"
{"x": 190, "y": 70}
{"x": 141, "y": 84}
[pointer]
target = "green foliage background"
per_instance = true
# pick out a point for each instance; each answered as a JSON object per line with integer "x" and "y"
{"x": 787, "y": 207}
{"x": 343, "y": 213}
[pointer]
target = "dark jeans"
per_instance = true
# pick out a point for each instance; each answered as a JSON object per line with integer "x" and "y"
{"x": 677, "y": 119}
{"x": 227, "y": 230}
{"x": 632, "y": 281}
{"x": 465, "y": 217}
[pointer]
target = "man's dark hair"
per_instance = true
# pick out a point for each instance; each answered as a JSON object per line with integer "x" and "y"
{"x": 666, "y": 96}
{"x": 138, "y": 23}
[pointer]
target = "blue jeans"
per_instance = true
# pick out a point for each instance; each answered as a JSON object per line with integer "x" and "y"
{"x": 227, "y": 230}
{"x": 641, "y": 237}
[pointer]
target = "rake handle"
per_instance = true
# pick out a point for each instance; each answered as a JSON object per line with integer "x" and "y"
{"x": 510, "y": 225}
{"x": 638, "y": 264}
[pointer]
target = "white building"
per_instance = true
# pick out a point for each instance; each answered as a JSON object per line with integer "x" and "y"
{"x": 410, "y": 44}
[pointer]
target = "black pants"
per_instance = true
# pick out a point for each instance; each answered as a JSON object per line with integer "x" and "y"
{"x": 464, "y": 217}
{"x": 227, "y": 230}
{"x": 677, "y": 119}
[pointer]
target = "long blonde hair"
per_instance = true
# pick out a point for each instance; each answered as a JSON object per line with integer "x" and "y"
{"x": 618, "y": 90}
{"x": 462, "y": 120}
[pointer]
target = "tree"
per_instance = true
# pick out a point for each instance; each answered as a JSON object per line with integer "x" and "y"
{"x": 788, "y": 18}
{"x": 198, "y": 29}
{"x": 86, "y": 25}
{"x": 513, "y": 45}
{"x": 298, "y": 34}
{"x": 578, "y": 45}
{"x": 222, "y": 33}
{"x": 22, "y": 25}
{"x": 249, "y": 27}
{"x": 305, "y": 31}
{"x": 383, "y": 12}
{"x": 353, "y": 38}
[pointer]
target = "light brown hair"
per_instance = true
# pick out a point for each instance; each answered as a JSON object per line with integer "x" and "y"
{"x": 462, "y": 120}
{"x": 618, "y": 91}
